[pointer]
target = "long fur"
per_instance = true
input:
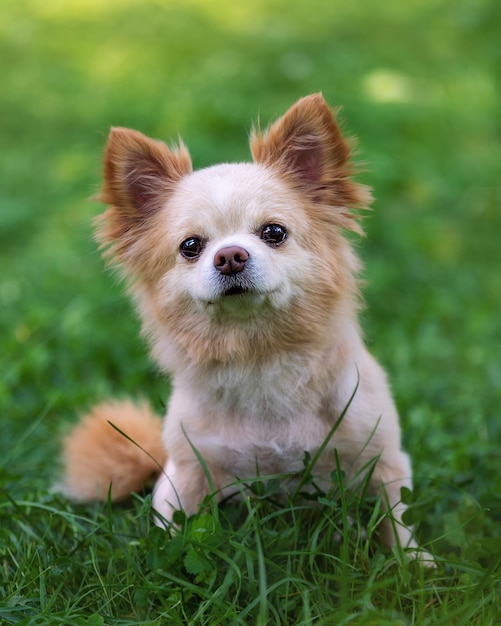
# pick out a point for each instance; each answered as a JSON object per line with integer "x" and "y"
{"x": 259, "y": 377}
{"x": 100, "y": 460}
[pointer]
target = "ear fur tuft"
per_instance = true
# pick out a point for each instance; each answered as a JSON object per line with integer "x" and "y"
{"x": 139, "y": 174}
{"x": 306, "y": 146}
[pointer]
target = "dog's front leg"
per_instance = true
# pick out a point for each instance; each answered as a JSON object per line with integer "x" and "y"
{"x": 182, "y": 485}
{"x": 393, "y": 472}
{"x": 391, "y": 478}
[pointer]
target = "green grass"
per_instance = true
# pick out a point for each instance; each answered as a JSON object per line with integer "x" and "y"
{"x": 419, "y": 82}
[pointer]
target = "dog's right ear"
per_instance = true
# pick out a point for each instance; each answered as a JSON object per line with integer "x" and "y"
{"x": 139, "y": 175}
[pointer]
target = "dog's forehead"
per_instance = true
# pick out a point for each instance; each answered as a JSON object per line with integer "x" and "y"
{"x": 230, "y": 196}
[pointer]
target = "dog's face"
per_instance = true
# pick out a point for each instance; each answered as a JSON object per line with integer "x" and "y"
{"x": 236, "y": 258}
{"x": 241, "y": 241}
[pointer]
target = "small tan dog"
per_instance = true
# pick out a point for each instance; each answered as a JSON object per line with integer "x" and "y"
{"x": 247, "y": 290}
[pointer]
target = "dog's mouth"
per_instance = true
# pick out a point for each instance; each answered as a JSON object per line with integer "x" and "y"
{"x": 236, "y": 295}
{"x": 236, "y": 291}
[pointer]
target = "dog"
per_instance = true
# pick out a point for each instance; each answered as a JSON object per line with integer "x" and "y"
{"x": 247, "y": 288}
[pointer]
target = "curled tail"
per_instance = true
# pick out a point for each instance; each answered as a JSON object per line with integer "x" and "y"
{"x": 117, "y": 448}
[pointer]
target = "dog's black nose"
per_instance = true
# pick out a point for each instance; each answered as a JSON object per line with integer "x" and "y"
{"x": 230, "y": 260}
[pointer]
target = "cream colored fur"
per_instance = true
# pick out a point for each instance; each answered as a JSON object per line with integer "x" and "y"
{"x": 258, "y": 377}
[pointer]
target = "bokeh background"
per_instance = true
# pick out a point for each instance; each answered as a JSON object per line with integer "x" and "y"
{"x": 419, "y": 85}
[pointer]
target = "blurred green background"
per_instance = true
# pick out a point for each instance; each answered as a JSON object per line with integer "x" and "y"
{"x": 419, "y": 84}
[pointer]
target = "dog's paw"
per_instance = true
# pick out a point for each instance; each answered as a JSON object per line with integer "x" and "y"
{"x": 422, "y": 557}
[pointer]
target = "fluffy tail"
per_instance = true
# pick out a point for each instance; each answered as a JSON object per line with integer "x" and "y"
{"x": 99, "y": 460}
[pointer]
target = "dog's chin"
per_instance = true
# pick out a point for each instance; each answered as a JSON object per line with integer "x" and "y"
{"x": 238, "y": 303}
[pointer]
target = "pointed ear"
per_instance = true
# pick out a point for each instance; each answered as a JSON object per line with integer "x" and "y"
{"x": 307, "y": 147}
{"x": 139, "y": 174}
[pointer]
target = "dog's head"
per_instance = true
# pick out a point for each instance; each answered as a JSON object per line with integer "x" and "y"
{"x": 236, "y": 259}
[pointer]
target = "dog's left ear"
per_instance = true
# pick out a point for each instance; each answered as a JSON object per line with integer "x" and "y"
{"x": 307, "y": 147}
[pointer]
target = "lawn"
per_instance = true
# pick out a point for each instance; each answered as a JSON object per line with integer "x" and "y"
{"x": 419, "y": 85}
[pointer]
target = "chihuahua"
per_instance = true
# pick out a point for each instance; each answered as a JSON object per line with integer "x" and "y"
{"x": 247, "y": 289}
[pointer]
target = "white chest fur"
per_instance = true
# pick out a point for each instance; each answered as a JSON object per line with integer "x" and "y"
{"x": 244, "y": 417}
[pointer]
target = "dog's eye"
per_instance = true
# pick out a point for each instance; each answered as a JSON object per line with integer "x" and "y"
{"x": 191, "y": 248}
{"x": 273, "y": 234}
